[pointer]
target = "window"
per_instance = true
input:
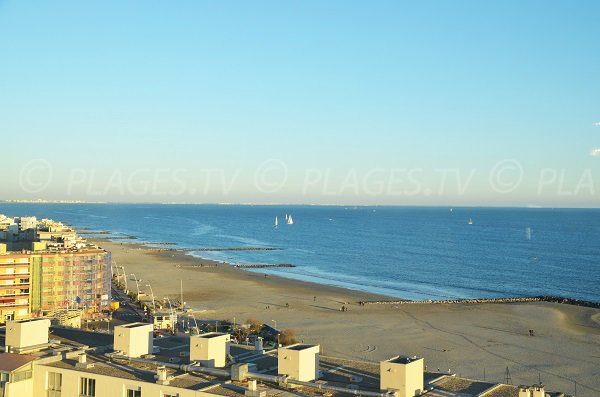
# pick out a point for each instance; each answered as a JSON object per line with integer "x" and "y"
{"x": 87, "y": 387}
{"x": 134, "y": 392}
{"x": 170, "y": 395}
{"x": 19, "y": 376}
{"x": 54, "y": 384}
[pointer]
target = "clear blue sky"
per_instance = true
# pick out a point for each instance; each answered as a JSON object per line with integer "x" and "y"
{"x": 194, "y": 101}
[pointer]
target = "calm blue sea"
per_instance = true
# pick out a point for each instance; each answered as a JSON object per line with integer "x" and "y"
{"x": 406, "y": 252}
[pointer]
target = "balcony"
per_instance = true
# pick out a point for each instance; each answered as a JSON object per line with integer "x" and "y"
{"x": 14, "y": 305}
{"x": 11, "y": 295}
{"x": 5, "y": 286}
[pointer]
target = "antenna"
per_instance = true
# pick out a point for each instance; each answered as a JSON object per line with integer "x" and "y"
{"x": 507, "y": 377}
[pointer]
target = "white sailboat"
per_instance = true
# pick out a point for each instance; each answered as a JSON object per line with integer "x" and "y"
{"x": 528, "y": 233}
{"x": 470, "y": 222}
{"x": 290, "y": 221}
{"x": 276, "y": 222}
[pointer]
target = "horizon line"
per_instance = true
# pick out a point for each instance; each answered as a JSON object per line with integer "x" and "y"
{"x": 523, "y": 206}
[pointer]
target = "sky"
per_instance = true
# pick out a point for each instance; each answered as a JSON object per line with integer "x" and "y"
{"x": 319, "y": 102}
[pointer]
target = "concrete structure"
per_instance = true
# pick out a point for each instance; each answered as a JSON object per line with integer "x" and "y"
{"x": 133, "y": 340}
{"x": 164, "y": 320}
{"x": 26, "y": 334}
{"x": 210, "y": 349}
{"x": 299, "y": 361}
{"x": 532, "y": 391}
{"x": 69, "y": 318}
{"x": 402, "y": 375}
{"x": 258, "y": 345}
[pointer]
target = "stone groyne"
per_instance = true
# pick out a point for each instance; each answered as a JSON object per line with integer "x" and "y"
{"x": 229, "y": 249}
{"x": 261, "y": 266}
{"x": 547, "y": 298}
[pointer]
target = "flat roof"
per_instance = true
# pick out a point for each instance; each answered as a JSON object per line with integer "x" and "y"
{"x": 212, "y": 335}
{"x": 404, "y": 359}
{"x": 30, "y": 320}
{"x": 336, "y": 371}
{"x": 136, "y": 371}
{"x": 300, "y": 346}
{"x": 134, "y": 325}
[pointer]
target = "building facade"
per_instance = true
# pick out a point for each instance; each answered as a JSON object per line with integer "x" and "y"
{"x": 47, "y": 268}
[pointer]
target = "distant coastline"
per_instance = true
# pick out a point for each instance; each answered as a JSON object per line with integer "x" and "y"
{"x": 43, "y": 201}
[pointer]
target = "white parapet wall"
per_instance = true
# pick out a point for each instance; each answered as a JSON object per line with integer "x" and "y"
{"x": 532, "y": 391}
{"x": 210, "y": 349}
{"x": 133, "y": 340}
{"x": 299, "y": 361}
{"x": 22, "y": 334}
{"x": 402, "y": 375}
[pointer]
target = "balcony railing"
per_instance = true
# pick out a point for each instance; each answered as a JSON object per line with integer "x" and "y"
{"x": 14, "y": 304}
{"x": 4, "y": 296}
{"x": 13, "y": 275}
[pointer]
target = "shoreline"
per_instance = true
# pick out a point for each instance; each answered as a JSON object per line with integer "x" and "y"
{"x": 386, "y": 299}
{"x": 463, "y": 336}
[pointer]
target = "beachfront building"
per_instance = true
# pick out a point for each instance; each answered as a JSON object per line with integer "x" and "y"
{"x": 46, "y": 268}
{"x": 164, "y": 320}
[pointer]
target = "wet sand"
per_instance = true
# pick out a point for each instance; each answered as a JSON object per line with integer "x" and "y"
{"x": 465, "y": 338}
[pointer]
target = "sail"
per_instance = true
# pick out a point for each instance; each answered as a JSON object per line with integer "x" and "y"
{"x": 276, "y": 223}
{"x": 290, "y": 221}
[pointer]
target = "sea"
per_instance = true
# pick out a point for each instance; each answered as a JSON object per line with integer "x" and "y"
{"x": 415, "y": 253}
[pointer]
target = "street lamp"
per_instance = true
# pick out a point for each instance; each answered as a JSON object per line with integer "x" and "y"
{"x": 151, "y": 292}
{"x": 137, "y": 287}
{"x": 195, "y": 324}
{"x": 275, "y": 321}
{"x": 171, "y": 313}
{"x": 124, "y": 276}
{"x": 116, "y": 268}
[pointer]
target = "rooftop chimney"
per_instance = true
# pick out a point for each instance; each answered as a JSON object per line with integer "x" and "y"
{"x": 82, "y": 362}
{"x": 162, "y": 376}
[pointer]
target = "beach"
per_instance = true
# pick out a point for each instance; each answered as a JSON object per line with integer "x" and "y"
{"x": 471, "y": 339}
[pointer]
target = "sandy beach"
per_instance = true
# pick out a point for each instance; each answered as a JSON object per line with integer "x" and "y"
{"x": 473, "y": 340}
